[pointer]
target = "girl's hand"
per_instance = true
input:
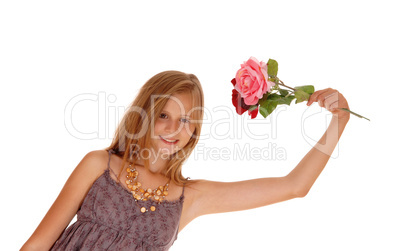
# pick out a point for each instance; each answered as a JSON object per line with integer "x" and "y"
{"x": 331, "y": 100}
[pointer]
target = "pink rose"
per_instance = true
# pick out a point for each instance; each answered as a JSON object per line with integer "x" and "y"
{"x": 252, "y": 81}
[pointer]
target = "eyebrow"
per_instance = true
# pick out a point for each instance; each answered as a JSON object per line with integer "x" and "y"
{"x": 187, "y": 116}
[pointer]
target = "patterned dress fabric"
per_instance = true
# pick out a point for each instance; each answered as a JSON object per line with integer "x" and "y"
{"x": 110, "y": 219}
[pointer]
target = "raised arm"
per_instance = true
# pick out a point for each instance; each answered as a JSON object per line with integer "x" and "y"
{"x": 307, "y": 171}
{"x": 216, "y": 197}
{"x": 68, "y": 202}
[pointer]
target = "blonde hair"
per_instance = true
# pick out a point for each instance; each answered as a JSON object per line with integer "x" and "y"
{"x": 130, "y": 134}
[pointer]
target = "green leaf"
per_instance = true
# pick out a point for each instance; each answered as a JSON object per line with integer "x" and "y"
{"x": 274, "y": 79}
{"x": 273, "y": 96}
{"x": 283, "y": 92}
{"x": 306, "y": 88}
{"x": 280, "y": 99}
{"x": 272, "y": 68}
{"x": 301, "y": 96}
{"x": 286, "y": 100}
{"x": 264, "y": 97}
{"x": 268, "y": 96}
{"x": 303, "y": 93}
{"x": 267, "y": 107}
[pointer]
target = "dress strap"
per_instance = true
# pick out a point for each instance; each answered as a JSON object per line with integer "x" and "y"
{"x": 182, "y": 193}
{"x": 108, "y": 164}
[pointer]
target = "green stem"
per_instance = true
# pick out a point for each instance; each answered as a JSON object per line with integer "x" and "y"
{"x": 358, "y": 115}
{"x": 280, "y": 82}
{"x": 283, "y": 84}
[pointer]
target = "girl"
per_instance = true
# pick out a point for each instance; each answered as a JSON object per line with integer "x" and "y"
{"x": 132, "y": 195}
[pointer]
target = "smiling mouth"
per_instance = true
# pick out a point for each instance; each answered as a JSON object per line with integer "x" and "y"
{"x": 170, "y": 142}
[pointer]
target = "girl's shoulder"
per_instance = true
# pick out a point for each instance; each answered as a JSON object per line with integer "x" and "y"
{"x": 98, "y": 157}
{"x": 93, "y": 164}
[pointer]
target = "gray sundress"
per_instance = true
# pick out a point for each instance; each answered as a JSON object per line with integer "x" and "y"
{"x": 109, "y": 219}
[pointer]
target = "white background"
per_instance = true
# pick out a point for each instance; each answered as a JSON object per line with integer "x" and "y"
{"x": 52, "y": 53}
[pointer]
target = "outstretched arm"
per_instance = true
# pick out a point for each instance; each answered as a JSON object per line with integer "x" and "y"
{"x": 216, "y": 197}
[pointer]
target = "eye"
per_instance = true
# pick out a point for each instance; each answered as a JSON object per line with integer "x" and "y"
{"x": 163, "y": 116}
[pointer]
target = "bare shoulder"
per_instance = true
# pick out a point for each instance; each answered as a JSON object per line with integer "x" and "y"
{"x": 69, "y": 200}
{"x": 95, "y": 161}
{"x": 97, "y": 156}
{"x": 91, "y": 167}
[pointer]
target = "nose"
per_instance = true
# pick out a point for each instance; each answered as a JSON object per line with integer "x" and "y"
{"x": 172, "y": 128}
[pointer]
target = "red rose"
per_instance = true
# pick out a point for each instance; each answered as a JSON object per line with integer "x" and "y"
{"x": 239, "y": 104}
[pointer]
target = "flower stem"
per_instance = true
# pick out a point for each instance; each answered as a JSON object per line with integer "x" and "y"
{"x": 283, "y": 84}
{"x": 358, "y": 115}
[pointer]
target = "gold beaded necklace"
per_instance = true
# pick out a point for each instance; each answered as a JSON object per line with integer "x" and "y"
{"x": 139, "y": 193}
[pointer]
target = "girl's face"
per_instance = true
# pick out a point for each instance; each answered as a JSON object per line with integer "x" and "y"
{"x": 173, "y": 126}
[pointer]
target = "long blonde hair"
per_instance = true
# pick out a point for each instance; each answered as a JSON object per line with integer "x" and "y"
{"x": 130, "y": 136}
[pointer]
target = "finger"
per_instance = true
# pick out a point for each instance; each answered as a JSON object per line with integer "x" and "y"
{"x": 333, "y": 106}
{"x": 322, "y": 96}
{"x": 313, "y": 97}
{"x": 330, "y": 99}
